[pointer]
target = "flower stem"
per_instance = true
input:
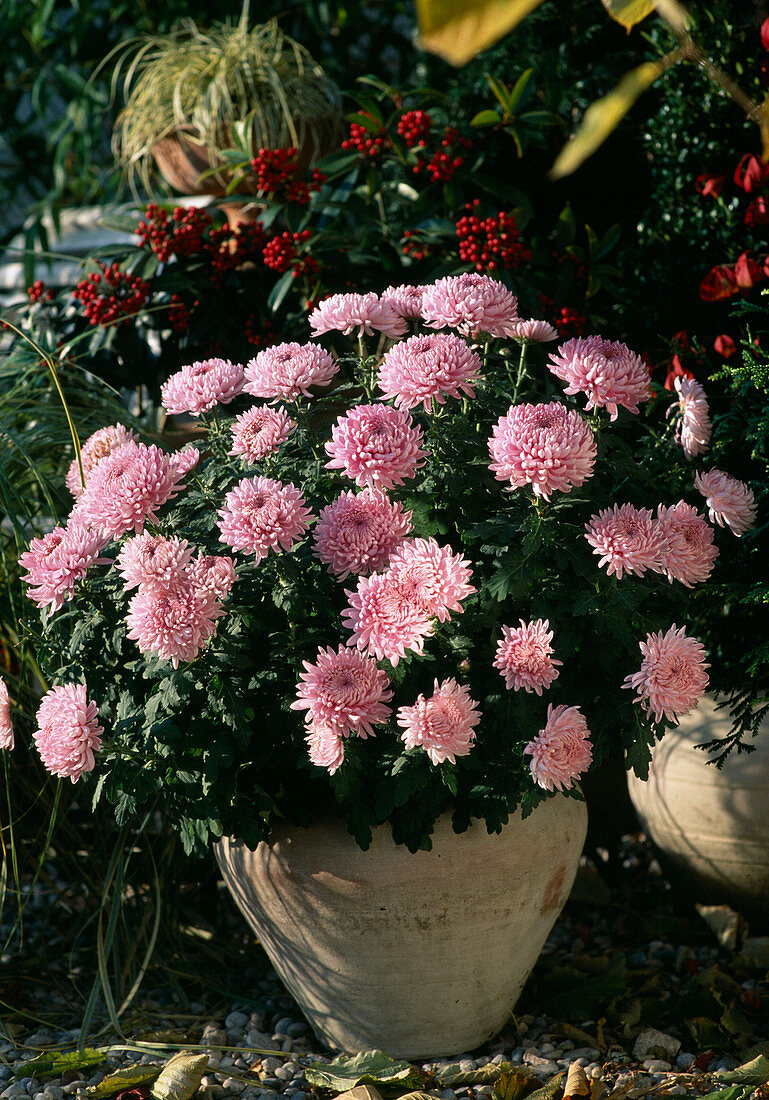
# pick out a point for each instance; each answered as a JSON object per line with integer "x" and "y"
{"x": 521, "y": 368}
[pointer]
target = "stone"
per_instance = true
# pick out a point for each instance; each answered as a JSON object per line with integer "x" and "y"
{"x": 260, "y": 1040}
{"x": 651, "y": 1043}
{"x": 572, "y": 1054}
{"x": 236, "y": 1021}
{"x": 232, "y": 1084}
{"x": 657, "y": 1065}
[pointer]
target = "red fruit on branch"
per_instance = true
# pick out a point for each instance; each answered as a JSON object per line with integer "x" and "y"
{"x": 764, "y": 32}
{"x": 710, "y": 185}
{"x": 757, "y": 212}
{"x": 747, "y": 272}
{"x": 751, "y": 172}
{"x": 676, "y": 369}
{"x": 719, "y": 283}
{"x": 724, "y": 345}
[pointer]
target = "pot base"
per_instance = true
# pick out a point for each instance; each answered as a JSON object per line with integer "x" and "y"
{"x": 420, "y": 954}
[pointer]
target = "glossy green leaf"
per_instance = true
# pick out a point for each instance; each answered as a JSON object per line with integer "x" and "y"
{"x": 486, "y": 118}
{"x": 457, "y": 30}
{"x": 603, "y": 116}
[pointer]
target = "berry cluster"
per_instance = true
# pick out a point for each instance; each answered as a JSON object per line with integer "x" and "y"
{"x": 445, "y": 161}
{"x": 490, "y": 243}
{"x": 364, "y": 141}
{"x": 278, "y": 175}
{"x": 569, "y": 322}
{"x": 111, "y": 296}
{"x": 415, "y": 246}
{"x": 283, "y": 252}
{"x": 414, "y": 127}
{"x": 259, "y": 332}
{"x": 179, "y": 234}
{"x": 229, "y": 249}
{"x": 180, "y": 315}
{"x": 37, "y": 292}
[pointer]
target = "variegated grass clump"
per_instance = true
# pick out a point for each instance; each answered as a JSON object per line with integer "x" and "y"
{"x": 256, "y": 87}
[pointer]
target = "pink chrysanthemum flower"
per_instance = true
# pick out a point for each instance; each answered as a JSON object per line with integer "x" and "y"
{"x": 214, "y": 574}
{"x": 153, "y": 560}
{"x": 384, "y": 621}
{"x": 729, "y": 501}
{"x": 423, "y": 368}
{"x": 358, "y": 532}
{"x": 127, "y": 487}
{"x": 95, "y": 448}
{"x": 68, "y": 732}
{"x": 325, "y": 748}
{"x": 548, "y": 447}
{"x": 524, "y": 656}
{"x": 376, "y": 445}
{"x": 406, "y": 300}
{"x": 365, "y": 312}
{"x": 561, "y": 752}
{"x": 690, "y": 554}
{"x": 288, "y": 371}
{"x": 344, "y": 692}
{"x": 259, "y": 432}
{"x": 58, "y": 560}
{"x": 470, "y": 303}
{"x": 175, "y": 622}
{"x": 693, "y": 429}
{"x": 261, "y": 514}
{"x": 6, "y": 725}
{"x": 430, "y": 577}
{"x": 533, "y": 331}
{"x": 672, "y": 676}
{"x": 197, "y": 387}
{"x": 627, "y": 538}
{"x": 607, "y": 372}
{"x": 185, "y": 460}
{"x": 443, "y": 725}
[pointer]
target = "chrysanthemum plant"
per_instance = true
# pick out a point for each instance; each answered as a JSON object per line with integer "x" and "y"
{"x": 418, "y": 562}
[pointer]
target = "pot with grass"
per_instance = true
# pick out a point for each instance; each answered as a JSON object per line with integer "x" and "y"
{"x": 192, "y": 95}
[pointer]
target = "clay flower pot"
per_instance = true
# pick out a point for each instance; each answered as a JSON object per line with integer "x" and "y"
{"x": 181, "y": 161}
{"x": 711, "y": 826}
{"x": 419, "y": 954}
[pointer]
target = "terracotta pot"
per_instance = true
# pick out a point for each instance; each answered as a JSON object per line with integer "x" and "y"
{"x": 181, "y": 160}
{"x": 419, "y": 954}
{"x": 711, "y": 826}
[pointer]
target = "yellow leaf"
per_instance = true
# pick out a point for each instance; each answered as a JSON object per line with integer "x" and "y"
{"x": 457, "y": 30}
{"x": 628, "y": 12}
{"x": 603, "y": 116}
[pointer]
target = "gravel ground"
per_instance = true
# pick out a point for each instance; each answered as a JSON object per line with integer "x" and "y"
{"x": 632, "y": 986}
